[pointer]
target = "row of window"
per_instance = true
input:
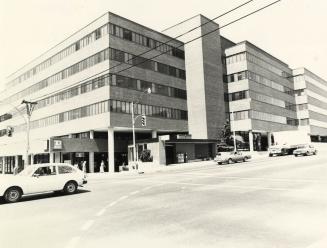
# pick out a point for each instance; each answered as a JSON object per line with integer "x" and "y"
{"x": 259, "y": 79}
{"x": 144, "y": 63}
{"x": 140, "y": 39}
{"x": 142, "y": 109}
{"x": 292, "y": 122}
{"x": 105, "y": 106}
{"x": 95, "y": 35}
{"x": 304, "y": 122}
{"x": 114, "y": 80}
{"x": 267, "y": 99}
{"x": 236, "y": 58}
{"x": 141, "y": 85}
{"x": 290, "y": 106}
{"x": 253, "y": 114}
{"x": 237, "y": 96}
{"x": 256, "y": 60}
{"x": 268, "y": 117}
{"x": 240, "y": 115}
{"x": 260, "y": 62}
{"x": 259, "y": 97}
{"x": 82, "y": 65}
{"x": 300, "y": 92}
{"x": 303, "y": 106}
{"x": 98, "y": 33}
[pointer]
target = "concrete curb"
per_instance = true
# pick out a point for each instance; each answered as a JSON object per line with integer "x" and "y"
{"x": 171, "y": 167}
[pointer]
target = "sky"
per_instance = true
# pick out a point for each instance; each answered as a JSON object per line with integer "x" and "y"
{"x": 294, "y": 31}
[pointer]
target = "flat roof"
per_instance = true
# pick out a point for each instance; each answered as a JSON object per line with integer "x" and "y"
{"x": 246, "y": 42}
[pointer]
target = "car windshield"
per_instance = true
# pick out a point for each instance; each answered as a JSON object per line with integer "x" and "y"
{"x": 26, "y": 171}
{"x": 302, "y": 147}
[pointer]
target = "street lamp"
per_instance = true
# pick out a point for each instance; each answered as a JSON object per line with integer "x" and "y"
{"x": 232, "y": 127}
{"x": 20, "y": 113}
{"x": 148, "y": 91}
{"x": 29, "y": 109}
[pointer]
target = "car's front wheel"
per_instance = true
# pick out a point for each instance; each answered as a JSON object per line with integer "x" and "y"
{"x": 230, "y": 161}
{"x": 70, "y": 187}
{"x": 13, "y": 194}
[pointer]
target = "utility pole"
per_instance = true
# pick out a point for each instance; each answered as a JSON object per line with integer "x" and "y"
{"x": 29, "y": 110}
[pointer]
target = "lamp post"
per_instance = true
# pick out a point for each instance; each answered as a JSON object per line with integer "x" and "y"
{"x": 232, "y": 127}
{"x": 134, "y": 118}
{"x": 29, "y": 109}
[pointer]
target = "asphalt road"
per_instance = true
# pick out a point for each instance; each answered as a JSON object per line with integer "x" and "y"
{"x": 272, "y": 202}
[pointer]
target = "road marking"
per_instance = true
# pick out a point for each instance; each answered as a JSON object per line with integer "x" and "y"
{"x": 87, "y": 225}
{"x": 73, "y": 242}
{"x": 135, "y": 192}
{"x": 123, "y": 198}
{"x": 112, "y": 204}
{"x": 101, "y": 212}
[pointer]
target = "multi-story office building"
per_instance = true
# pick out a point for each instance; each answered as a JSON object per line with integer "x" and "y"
{"x": 311, "y": 103}
{"x": 84, "y": 88}
{"x": 84, "y": 93}
{"x": 260, "y": 95}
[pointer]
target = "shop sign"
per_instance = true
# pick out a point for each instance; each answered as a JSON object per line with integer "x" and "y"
{"x": 57, "y": 144}
{"x": 79, "y": 154}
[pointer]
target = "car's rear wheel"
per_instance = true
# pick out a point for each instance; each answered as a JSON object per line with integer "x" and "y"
{"x": 307, "y": 153}
{"x": 219, "y": 163}
{"x": 315, "y": 153}
{"x": 70, "y": 187}
{"x": 13, "y": 194}
{"x": 230, "y": 161}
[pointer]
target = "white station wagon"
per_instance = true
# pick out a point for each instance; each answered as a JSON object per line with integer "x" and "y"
{"x": 41, "y": 178}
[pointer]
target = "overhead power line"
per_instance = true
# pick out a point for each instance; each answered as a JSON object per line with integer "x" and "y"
{"x": 135, "y": 56}
{"x": 210, "y": 32}
{"x": 214, "y": 30}
{"x": 180, "y": 35}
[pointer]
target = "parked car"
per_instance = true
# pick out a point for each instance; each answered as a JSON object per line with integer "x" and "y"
{"x": 231, "y": 157}
{"x": 41, "y": 178}
{"x": 306, "y": 150}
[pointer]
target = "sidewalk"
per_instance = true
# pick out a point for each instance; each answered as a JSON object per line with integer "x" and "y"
{"x": 172, "y": 167}
{"x": 152, "y": 169}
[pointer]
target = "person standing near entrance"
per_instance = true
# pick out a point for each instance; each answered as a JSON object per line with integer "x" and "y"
{"x": 102, "y": 167}
{"x": 84, "y": 166}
